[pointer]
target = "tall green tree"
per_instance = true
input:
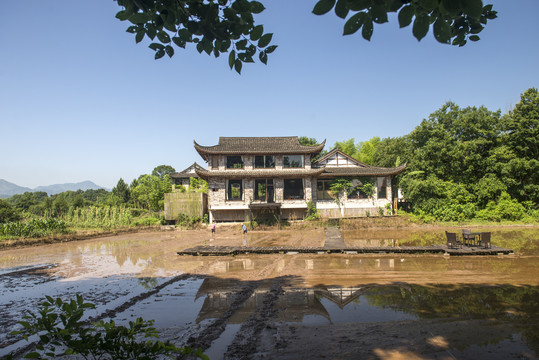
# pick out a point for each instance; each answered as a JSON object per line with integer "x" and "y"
{"x": 367, "y": 150}
{"x": 348, "y": 147}
{"x": 150, "y": 191}
{"x": 7, "y": 212}
{"x": 307, "y": 141}
{"x": 523, "y": 140}
{"x": 162, "y": 170}
{"x": 218, "y": 27}
{"x": 121, "y": 190}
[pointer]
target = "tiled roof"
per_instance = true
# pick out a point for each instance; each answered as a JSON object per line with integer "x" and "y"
{"x": 259, "y": 173}
{"x": 362, "y": 171}
{"x": 187, "y": 173}
{"x": 258, "y": 145}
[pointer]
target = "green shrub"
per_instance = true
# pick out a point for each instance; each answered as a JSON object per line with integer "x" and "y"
{"x": 8, "y": 213}
{"x": 62, "y": 332}
{"x": 312, "y": 211}
{"x": 146, "y": 221}
{"x": 34, "y": 228}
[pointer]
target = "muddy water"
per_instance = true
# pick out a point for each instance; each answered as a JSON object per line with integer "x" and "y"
{"x": 294, "y": 296}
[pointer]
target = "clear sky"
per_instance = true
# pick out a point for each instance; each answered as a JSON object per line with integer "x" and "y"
{"x": 79, "y": 100}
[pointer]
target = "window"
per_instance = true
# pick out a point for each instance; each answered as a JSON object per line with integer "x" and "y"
{"x": 264, "y": 161}
{"x": 235, "y": 190}
{"x": 322, "y": 190}
{"x": 293, "y": 189}
{"x": 293, "y": 161}
{"x": 382, "y": 194}
{"x": 214, "y": 162}
{"x": 361, "y": 185}
{"x": 264, "y": 190}
{"x": 234, "y": 162}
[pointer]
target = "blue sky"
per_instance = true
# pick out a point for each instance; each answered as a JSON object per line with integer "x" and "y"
{"x": 79, "y": 100}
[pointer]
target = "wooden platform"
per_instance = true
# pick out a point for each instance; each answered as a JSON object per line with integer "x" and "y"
{"x": 437, "y": 249}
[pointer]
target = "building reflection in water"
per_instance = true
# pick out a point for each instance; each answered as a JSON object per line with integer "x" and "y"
{"x": 294, "y": 304}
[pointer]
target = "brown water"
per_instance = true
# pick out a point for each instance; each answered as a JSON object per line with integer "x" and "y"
{"x": 318, "y": 291}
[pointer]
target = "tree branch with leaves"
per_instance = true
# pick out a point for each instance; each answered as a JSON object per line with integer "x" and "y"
{"x": 228, "y": 26}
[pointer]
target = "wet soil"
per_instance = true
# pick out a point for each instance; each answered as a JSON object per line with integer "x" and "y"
{"x": 286, "y": 306}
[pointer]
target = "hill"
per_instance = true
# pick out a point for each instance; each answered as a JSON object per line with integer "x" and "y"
{"x": 8, "y": 189}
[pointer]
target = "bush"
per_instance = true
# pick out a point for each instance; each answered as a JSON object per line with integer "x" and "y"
{"x": 505, "y": 209}
{"x": 8, "y": 213}
{"x": 34, "y": 228}
{"x": 147, "y": 221}
{"x": 312, "y": 211}
{"x": 61, "y": 332}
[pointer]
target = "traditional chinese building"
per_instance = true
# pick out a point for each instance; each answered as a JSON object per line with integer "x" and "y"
{"x": 250, "y": 175}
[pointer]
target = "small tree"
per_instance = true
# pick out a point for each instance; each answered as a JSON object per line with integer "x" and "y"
{"x": 121, "y": 190}
{"x": 338, "y": 188}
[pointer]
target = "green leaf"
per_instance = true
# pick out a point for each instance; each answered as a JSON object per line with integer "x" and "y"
{"x": 150, "y": 31}
{"x": 169, "y": 50}
{"x": 263, "y": 57}
{"x": 163, "y": 37}
{"x": 231, "y": 59}
{"x": 323, "y": 6}
{"x": 208, "y": 46}
{"x": 265, "y": 40}
{"x": 138, "y": 18}
{"x": 442, "y": 31}
{"x": 257, "y": 7}
{"x": 132, "y": 29}
{"x": 473, "y": 8}
{"x": 379, "y": 14}
{"x": 237, "y": 66}
{"x": 421, "y": 26}
{"x": 367, "y": 30}
{"x": 358, "y": 5}
{"x": 354, "y": 23}
{"x": 179, "y": 42}
{"x": 123, "y": 15}
{"x": 474, "y": 38}
{"x": 240, "y": 45}
{"x": 450, "y": 7}
{"x": 405, "y": 16}
{"x": 270, "y": 49}
{"x": 429, "y": 4}
{"x": 140, "y": 35}
{"x": 394, "y": 5}
{"x": 257, "y": 32}
{"x": 185, "y": 35}
{"x": 156, "y": 46}
{"x": 341, "y": 10}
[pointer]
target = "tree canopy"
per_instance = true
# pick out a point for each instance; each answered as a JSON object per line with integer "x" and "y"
{"x": 162, "y": 170}
{"x": 228, "y": 26}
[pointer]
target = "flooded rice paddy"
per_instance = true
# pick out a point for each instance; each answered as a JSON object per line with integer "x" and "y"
{"x": 378, "y": 306}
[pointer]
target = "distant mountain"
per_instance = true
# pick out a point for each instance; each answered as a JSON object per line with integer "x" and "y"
{"x": 58, "y": 188}
{"x": 8, "y": 189}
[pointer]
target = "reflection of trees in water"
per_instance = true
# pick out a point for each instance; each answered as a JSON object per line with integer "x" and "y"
{"x": 516, "y": 305}
{"x": 148, "y": 282}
